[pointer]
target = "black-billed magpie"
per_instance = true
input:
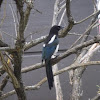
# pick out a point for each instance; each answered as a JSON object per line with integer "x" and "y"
{"x": 50, "y": 48}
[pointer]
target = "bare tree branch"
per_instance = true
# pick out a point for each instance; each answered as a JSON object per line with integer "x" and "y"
{"x": 58, "y": 89}
{"x": 85, "y": 33}
{"x": 9, "y": 71}
{"x": 34, "y": 42}
{"x": 95, "y": 13}
{"x": 97, "y": 97}
{"x": 37, "y": 86}
{"x": 62, "y": 33}
{"x": 17, "y": 54}
{"x": 83, "y": 60}
{"x": 4, "y": 16}
{"x": 4, "y": 82}
{"x": 65, "y": 54}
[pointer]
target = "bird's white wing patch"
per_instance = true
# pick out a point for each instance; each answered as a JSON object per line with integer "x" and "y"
{"x": 43, "y": 45}
{"x": 55, "y": 53}
{"x": 52, "y": 39}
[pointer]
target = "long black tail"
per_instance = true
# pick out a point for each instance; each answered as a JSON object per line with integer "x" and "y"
{"x": 49, "y": 73}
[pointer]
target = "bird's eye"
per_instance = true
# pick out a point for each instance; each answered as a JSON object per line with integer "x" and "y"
{"x": 59, "y": 27}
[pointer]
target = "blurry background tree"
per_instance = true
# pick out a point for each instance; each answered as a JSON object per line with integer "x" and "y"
{"x": 11, "y": 55}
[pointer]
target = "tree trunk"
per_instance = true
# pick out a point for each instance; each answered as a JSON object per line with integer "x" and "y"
{"x": 59, "y": 95}
{"x": 17, "y": 71}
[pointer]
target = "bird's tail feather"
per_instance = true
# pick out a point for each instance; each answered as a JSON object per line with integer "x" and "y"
{"x": 49, "y": 74}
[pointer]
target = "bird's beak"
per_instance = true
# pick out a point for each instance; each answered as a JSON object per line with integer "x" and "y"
{"x": 62, "y": 27}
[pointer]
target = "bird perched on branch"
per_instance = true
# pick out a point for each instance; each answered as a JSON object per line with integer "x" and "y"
{"x": 50, "y": 48}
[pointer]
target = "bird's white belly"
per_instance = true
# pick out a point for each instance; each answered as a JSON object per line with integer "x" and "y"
{"x": 55, "y": 53}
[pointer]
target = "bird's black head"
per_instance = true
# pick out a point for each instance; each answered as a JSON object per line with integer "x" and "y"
{"x": 55, "y": 29}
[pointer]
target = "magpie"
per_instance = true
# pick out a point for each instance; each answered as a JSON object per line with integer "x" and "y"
{"x": 50, "y": 48}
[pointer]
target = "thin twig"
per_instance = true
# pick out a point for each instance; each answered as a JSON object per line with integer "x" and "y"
{"x": 9, "y": 71}
{"x": 4, "y": 16}
{"x": 62, "y": 17}
{"x": 63, "y": 6}
{"x": 4, "y": 82}
{"x": 38, "y": 31}
{"x": 64, "y": 55}
{"x": 87, "y": 30}
{"x": 76, "y": 34}
{"x": 37, "y": 86}
{"x": 97, "y": 12}
{"x": 8, "y": 34}
{"x": 62, "y": 1}
{"x": 15, "y": 24}
{"x": 97, "y": 97}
